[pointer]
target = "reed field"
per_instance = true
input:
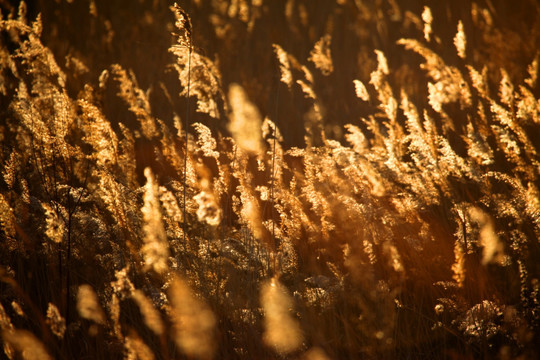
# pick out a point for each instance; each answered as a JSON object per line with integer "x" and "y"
{"x": 269, "y": 179}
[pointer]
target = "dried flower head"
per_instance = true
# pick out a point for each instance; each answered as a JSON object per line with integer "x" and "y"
{"x": 193, "y": 321}
{"x": 428, "y": 18}
{"x": 88, "y": 305}
{"x": 506, "y": 89}
{"x": 54, "y": 222}
{"x": 321, "y": 56}
{"x": 492, "y": 247}
{"x": 458, "y": 268}
{"x": 460, "y": 40}
{"x": 55, "y": 321}
{"x": 10, "y": 169}
{"x": 245, "y": 124}
{"x": 7, "y": 218}
{"x": 481, "y": 321}
{"x": 155, "y": 249}
{"x": 208, "y": 210}
{"x": 123, "y": 287}
{"x": 284, "y": 65}
{"x": 281, "y": 330}
{"x": 315, "y": 353}
{"x": 205, "y": 141}
{"x": 26, "y": 344}
{"x": 183, "y": 24}
{"x": 136, "y": 348}
{"x": 532, "y": 69}
{"x": 151, "y": 316}
{"x": 361, "y": 91}
{"x": 198, "y": 75}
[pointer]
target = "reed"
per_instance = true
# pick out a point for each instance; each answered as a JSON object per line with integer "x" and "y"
{"x": 269, "y": 179}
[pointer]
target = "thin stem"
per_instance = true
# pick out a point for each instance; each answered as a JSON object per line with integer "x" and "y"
{"x": 186, "y": 124}
{"x": 68, "y": 264}
{"x": 274, "y": 130}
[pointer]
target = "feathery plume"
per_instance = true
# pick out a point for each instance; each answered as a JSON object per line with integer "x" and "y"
{"x": 479, "y": 80}
{"x": 196, "y": 73}
{"x": 361, "y": 91}
{"x": 428, "y": 19}
{"x": 315, "y": 353}
{"x": 7, "y": 218}
{"x": 151, "y": 316}
{"x": 458, "y": 267}
{"x": 137, "y": 100}
{"x": 506, "y": 89}
{"x": 155, "y": 249}
{"x": 122, "y": 287}
{"x": 26, "y": 344}
{"x": 281, "y": 330}
{"x": 284, "y": 65}
{"x": 492, "y": 247}
{"x": 205, "y": 141}
{"x": 193, "y": 321}
{"x": 532, "y": 69}
{"x": 55, "y": 321}
{"x": 460, "y": 40}
{"x": 5, "y": 321}
{"x": 88, "y": 305}
{"x": 6, "y": 325}
{"x": 114, "y": 311}
{"x": 321, "y": 56}
{"x": 136, "y": 348}
{"x": 99, "y": 134}
{"x": 54, "y": 221}
{"x": 208, "y": 210}
{"x": 10, "y": 169}
{"x": 245, "y": 124}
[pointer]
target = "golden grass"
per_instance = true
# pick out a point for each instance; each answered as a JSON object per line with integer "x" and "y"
{"x": 277, "y": 179}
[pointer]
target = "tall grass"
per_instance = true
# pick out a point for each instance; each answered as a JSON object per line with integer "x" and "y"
{"x": 277, "y": 179}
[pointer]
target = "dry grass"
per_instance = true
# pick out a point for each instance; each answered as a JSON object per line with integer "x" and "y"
{"x": 277, "y": 179}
